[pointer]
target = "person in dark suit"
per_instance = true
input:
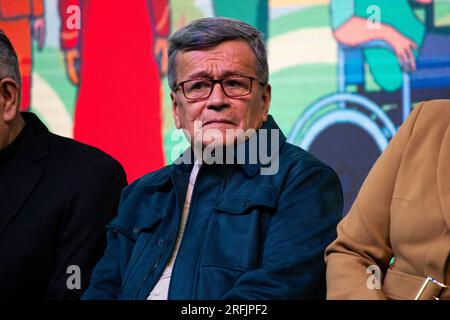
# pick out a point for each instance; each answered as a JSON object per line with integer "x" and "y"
{"x": 56, "y": 197}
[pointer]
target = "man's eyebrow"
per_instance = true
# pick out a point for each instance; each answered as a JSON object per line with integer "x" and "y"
{"x": 207, "y": 75}
{"x": 232, "y": 73}
{"x": 199, "y": 75}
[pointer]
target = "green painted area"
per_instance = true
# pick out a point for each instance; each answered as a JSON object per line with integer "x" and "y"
{"x": 318, "y": 16}
{"x": 442, "y": 14}
{"x": 168, "y": 122}
{"x": 371, "y": 85}
{"x": 166, "y": 115}
{"x": 310, "y": 17}
{"x": 49, "y": 64}
{"x": 441, "y": 9}
{"x": 293, "y": 89}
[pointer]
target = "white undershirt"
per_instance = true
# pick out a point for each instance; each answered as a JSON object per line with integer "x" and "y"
{"x": 161, "y": 289}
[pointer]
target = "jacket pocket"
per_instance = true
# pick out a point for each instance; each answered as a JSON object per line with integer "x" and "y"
{"x": 237, "y": 230}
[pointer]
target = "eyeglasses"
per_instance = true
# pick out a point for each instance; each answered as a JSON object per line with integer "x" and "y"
{"x": 233, "y": 87}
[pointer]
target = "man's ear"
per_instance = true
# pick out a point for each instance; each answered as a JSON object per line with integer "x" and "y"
{"x": 266, "y": 97}
{"x": 175, "y": 110}
{"x": 10, "y": 101}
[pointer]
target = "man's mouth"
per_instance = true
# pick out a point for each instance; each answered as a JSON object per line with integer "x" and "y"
{"x": 218, "y": 121}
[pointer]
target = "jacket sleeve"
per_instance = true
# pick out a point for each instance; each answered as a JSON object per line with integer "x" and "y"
{"x": 92, "y": 204}
{"x": 108, "y": 275}
{"x": 363, "y": 235}
{"x": 309, "y": 208}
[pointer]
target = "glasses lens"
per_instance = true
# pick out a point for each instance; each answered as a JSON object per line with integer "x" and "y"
{"x": 233, "y": 87}
{"x": 237, "y": 86}
{"x": 197, "y": 89}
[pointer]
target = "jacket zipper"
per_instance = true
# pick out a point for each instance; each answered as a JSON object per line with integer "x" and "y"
{"x": 163, "y": 250}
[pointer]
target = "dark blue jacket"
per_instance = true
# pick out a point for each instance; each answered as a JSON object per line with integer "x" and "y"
{"x": 248, "y": 236}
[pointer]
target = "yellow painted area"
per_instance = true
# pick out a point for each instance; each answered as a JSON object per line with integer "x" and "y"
{"x": 48, "y": 104}
{"x": 443, "y": 21}
{"x": 306, "y": 46}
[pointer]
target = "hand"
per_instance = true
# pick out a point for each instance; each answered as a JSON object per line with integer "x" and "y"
{"x": 39, "y": 31}
{"x": 403, "y": 48}
{"x": 161, "y": 47}
{"x": 72, "y": 56}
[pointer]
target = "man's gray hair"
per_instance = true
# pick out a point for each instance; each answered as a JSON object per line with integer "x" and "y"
{"x": 209, "y": 32}
{"x": 9, "y": 64}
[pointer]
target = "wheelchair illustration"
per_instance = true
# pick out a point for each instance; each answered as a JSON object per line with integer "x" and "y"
{"x": 349, "y": 130}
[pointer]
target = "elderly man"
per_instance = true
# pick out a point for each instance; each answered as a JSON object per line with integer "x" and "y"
{"x": 56, "y": 196}
{"x": 231, "y": 225}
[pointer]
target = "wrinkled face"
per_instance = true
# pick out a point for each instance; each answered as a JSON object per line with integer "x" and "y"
{"x": 219, "y": 113}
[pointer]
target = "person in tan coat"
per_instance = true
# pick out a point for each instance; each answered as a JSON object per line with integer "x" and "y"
{"x": 402, "y": 213}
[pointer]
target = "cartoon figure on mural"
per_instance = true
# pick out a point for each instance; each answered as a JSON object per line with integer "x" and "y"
{"x": 407, "y": 60}
{"x": 23, "y": 20}
{"x": 122, "y": 52}
{"x": 412, "y": 44}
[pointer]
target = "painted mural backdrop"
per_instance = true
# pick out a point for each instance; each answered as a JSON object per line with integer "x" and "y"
{"x": 95, "y": 70}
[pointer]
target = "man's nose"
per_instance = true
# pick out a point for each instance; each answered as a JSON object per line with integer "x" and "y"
{"x": 217, "y": 99}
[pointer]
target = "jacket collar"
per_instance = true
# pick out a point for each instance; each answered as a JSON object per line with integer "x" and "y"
{"x": 257, "y": 150}
{"x": 23, "y": 172}
{"x": 37, "y": 147}
{"x": 263, "y": 140}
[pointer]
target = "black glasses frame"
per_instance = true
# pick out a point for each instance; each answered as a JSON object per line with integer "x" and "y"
{"x": 214, "y": 81}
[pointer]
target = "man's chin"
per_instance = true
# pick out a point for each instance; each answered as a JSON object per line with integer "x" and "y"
{"x": 218, "y": 138}
{"x": 218, "y": 143}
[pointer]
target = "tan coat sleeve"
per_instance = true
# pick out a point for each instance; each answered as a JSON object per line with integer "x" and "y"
{"x": 363, "y": 235}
